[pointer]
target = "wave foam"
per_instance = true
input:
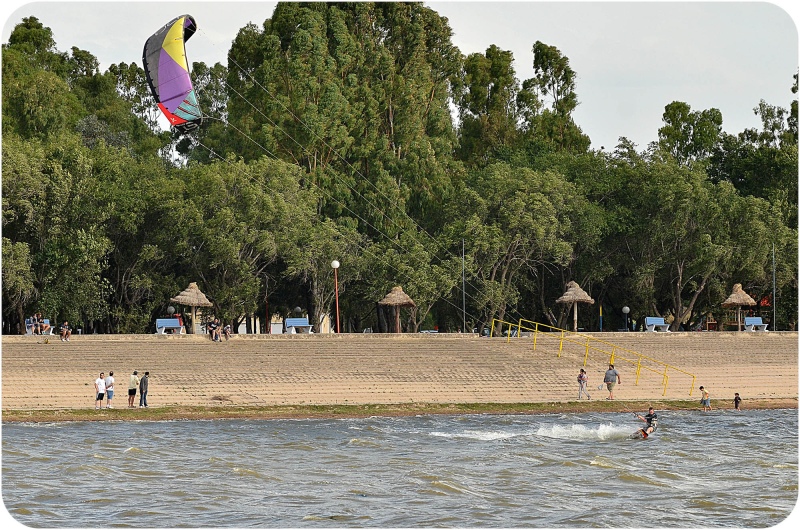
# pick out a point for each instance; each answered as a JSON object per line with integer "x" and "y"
{"x": 583, "y": 432}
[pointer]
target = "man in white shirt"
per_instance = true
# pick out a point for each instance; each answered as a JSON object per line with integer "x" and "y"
{"x": 99, "y": 390}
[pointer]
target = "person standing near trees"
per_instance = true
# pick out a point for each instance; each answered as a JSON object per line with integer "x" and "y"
{"x": 133, "y": 384}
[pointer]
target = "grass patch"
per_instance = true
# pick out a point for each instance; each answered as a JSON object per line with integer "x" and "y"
{"x": 222, "y": 411}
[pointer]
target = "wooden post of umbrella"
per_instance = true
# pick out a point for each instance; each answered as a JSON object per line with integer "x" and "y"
{"x": 574, "y": 295}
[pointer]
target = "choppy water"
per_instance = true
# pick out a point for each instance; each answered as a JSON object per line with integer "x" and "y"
{"x": 722, "y": 469}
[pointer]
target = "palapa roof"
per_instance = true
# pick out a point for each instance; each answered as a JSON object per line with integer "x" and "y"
{"x": 192, "y": 296}
{"x": 574, "y": 293}
{"x": 397, "y": 297}
{"x": 738, "y": 297}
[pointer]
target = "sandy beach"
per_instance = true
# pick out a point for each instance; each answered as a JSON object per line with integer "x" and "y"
{"x": 372, "y": 374}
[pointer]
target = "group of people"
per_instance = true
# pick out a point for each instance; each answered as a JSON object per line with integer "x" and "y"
{"x": 40, "y": 326}
{"x": 610, "y": 379}
{"x": 104, "y": 389}
{"x": 215, "y": 330}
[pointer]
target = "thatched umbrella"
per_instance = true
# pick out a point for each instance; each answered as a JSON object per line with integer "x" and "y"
{"x": 737, "y": 299}
{"x": 397, "y": 299}
{"x": 193, "y": 297}
{"x": 573, "y": 295}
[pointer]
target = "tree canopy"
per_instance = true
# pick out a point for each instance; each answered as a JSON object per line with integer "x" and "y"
{"x": 359, "y": 132}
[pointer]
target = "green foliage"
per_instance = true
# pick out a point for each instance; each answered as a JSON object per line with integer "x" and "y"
{"x": 689, "y": 136}
{"x": 330, "y": 135}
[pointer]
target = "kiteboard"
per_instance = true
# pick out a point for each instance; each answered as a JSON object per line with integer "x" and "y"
{"x": 639, "y": 434}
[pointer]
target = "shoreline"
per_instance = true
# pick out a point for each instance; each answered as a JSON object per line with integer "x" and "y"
{"x": 301, "y": 412}
{"x": 358, "y": 375}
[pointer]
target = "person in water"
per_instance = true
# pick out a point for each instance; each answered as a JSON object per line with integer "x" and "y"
{"x": 651, "y": 419}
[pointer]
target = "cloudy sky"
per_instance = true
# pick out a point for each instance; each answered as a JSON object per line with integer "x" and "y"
{"x": 631, "y": 58}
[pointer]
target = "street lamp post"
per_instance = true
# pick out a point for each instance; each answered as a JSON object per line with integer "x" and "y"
{"x": 626, "y": 310}
{"x": 335, "y": 265}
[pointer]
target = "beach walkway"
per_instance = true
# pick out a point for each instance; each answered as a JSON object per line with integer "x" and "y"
{"x": 387, "y": 369}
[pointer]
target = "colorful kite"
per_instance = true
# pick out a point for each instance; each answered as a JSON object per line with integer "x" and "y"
{"x": 167, "y": 71}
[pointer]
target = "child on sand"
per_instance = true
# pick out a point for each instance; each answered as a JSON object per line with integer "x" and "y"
{"x": 737, "y": 401}
{"x": 705, "y": 400}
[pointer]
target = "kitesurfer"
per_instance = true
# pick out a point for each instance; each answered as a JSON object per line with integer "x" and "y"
{"x": 651, "y": 419}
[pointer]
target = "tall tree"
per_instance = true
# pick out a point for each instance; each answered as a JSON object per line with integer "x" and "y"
{"x": 689, "y": 136}
{"x": 548, "y": 100}
{"x": 487, "y": 107}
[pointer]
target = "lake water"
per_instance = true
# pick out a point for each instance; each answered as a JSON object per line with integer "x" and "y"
{"x": 719, "y": 469}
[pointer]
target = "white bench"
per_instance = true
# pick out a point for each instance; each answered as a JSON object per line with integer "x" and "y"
{"x": 298, "y": 325}
{"x": 166, "y": 326}
{"x": 29, "y": 326}
{"x": 754, "y": 324}
{"x": 655, "y": 324}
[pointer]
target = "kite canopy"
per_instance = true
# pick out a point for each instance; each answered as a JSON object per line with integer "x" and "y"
{"x": 167, "y": 71}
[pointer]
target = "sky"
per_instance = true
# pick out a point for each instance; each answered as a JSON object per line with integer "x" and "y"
{"x": 631, "y": 58}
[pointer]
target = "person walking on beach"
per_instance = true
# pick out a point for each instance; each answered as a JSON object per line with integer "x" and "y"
{"x": 109, "y": 389}
{"x": 583, "y": 379}
{"x": 133, "y": 384}
{"x": 99, "y": 391}
{"x": 651, "y": 419}
{"x": 143, "y": 384}
{"x": 737, "y": 401}
{"x": 611, "y": 379}
{"x": 705, "y": 400}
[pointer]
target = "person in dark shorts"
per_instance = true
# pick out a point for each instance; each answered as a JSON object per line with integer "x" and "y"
{"x": 651, "y": 418}
{"x": 737, "y": 401}
{"x": 133, "y": 384}
{"x": 99, "y": 390}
